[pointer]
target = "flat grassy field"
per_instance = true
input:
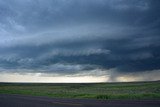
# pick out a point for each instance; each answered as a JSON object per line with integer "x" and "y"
{"x": 132, "y": 90}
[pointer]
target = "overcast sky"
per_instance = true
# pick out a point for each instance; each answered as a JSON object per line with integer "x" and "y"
{"x": 92, "y": 40}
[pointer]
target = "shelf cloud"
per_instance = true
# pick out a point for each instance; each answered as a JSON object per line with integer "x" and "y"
{"x": 68, "y": 37}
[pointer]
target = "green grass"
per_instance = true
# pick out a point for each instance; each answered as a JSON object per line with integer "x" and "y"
{"x": 135, "y": 90}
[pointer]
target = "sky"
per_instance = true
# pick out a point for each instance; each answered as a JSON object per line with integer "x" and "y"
{"x": 79, "y": 40}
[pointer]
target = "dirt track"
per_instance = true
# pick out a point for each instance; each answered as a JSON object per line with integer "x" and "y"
{"x": 30, "y": 101}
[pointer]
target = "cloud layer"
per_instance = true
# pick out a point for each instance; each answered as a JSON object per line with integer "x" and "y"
{"x": 68, "y": 37}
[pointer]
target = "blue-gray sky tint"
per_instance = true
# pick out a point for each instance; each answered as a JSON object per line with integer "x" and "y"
{"x": 69, "y": 37}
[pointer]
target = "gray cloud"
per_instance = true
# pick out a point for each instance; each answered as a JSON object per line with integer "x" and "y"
{"x": 67, "y": 36}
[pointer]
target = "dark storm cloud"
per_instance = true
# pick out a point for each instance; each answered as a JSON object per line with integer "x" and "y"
{"x": 68, "y": 36}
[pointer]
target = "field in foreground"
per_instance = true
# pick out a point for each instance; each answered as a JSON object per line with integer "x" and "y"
{"x": 132, "y": 90}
